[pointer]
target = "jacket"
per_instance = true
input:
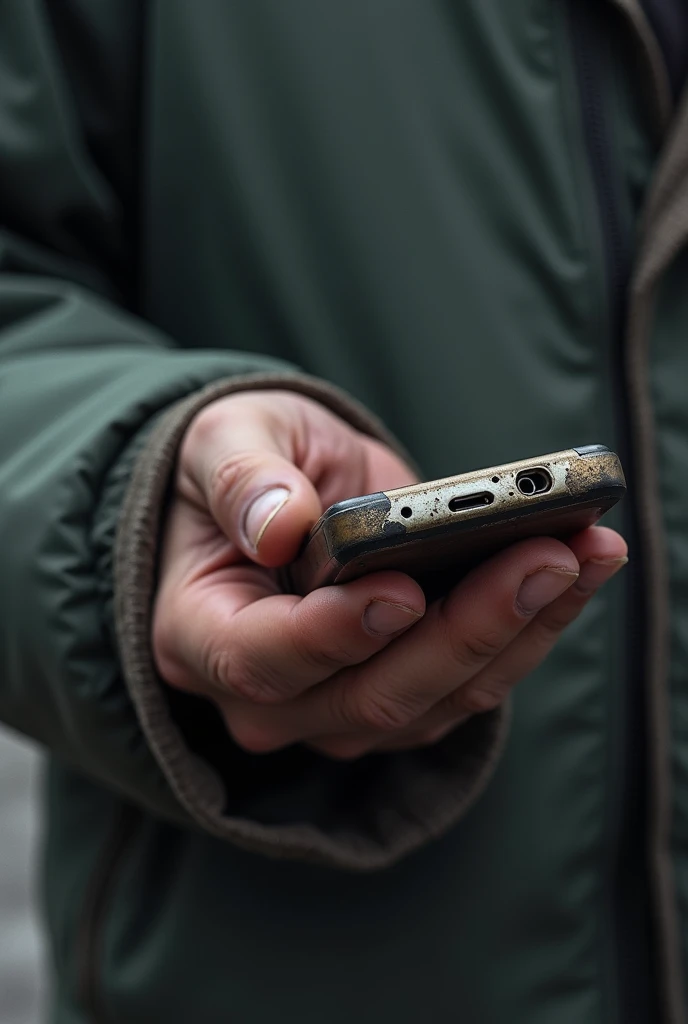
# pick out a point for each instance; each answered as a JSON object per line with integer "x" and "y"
{"x": 462, "y": 225}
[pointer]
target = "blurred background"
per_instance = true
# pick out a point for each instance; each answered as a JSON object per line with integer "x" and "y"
{"x": 23, "y": 964}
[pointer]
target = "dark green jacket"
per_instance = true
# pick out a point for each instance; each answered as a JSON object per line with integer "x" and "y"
{"x": 471, "y": 215}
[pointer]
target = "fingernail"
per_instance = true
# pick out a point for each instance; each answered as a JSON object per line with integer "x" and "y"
{"x": 597, "y": 571}
{"x": 543, "y": 587}
{"x": 261, "y": 512}
{"x": 382, "y": 619}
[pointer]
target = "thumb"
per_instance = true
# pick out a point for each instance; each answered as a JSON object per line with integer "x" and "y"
{"x": 234, "y": 461}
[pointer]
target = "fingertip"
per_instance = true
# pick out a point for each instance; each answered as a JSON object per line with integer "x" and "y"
{"x": 602, "y": 553}
{"x": 390, "y": 588}
{"x": 506, "y": 579}
{"x": 277, "y": 522}
{"x": 261, "y": 512}
{"x": 598, "y": 542}
{"x": 378, "y": 606}
{"x": 526, "y": 557}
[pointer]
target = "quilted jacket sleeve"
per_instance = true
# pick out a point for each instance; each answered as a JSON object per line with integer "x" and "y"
{"x": 93, "y": 404}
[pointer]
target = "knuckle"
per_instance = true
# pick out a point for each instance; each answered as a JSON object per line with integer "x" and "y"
{"x": 227, "y": 475}
{"x": 469, "y": 650}
{"x": 198, "y": 432}
{"x": 207, "y": 421}
{"x": 325, "y": 654}
{"x": 241, "y": 674}
{"x": 387, "y": 714}
{"x": 218, "y": 667}
{"x": 342, "y": 707}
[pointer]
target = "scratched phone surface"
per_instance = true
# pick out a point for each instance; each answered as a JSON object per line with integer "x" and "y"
{"x": 439, "y": 530}
{"x": 452, "y": 556}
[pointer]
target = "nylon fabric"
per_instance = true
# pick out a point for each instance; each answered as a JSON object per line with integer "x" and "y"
{"x": 395, "y": 198}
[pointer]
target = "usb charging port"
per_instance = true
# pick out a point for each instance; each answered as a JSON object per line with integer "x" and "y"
{"x": 469, "y": 501}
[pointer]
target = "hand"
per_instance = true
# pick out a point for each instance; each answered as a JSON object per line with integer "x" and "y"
{"x": 353, "y": 668}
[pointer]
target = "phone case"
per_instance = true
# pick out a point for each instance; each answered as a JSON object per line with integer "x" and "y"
{"x": 437, "y": 531}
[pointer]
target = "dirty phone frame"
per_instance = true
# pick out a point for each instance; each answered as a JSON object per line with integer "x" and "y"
{"x": 439, "y": 530}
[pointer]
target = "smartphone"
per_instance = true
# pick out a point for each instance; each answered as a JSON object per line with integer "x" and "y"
{"x": 437, "y": 531}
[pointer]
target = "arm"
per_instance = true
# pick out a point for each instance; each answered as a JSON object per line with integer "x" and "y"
{"x": 82, "y": 381}
{"x": 98, "y": 409}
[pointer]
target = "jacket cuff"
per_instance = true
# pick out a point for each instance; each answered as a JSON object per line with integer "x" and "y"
{"x": 359, "y": 816}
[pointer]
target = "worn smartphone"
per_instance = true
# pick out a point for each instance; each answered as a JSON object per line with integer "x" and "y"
{"x": 437, "y": 531}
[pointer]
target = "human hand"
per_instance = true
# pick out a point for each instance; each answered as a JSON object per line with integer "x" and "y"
{"x": 353, "y": 668}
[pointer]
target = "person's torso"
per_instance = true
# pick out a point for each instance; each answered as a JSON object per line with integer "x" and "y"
{"x": 435, "y": 205}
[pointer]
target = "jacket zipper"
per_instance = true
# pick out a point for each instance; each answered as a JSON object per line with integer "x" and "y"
{"x": 90, "y": 935}
{"x": 626, "y": 883}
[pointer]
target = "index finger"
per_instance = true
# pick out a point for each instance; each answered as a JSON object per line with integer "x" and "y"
{"x": 458, "y": 636}
{"x": 219, "y": 639}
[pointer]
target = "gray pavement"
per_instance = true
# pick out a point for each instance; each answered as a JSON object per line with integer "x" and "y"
{"x": 22, "y": 952}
